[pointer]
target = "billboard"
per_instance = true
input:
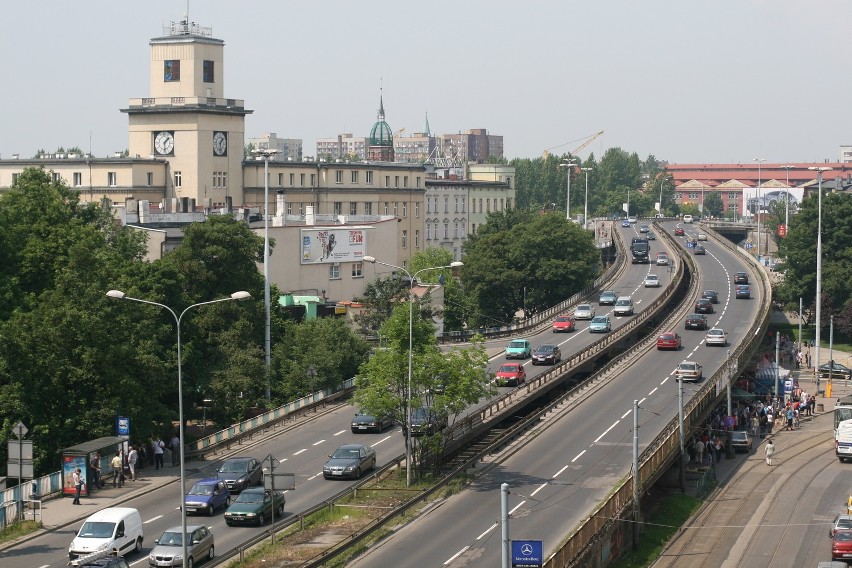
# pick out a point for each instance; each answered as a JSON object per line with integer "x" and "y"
{"x": 326, "y": 245}
{"x": 769, "y": 195}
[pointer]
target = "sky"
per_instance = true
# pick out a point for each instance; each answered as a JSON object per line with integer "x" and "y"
{"x": 686, "y": 82}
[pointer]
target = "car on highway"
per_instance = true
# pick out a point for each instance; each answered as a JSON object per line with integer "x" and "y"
{"x": 841, "y": 522}
{"x": 663, "y": 258}
{"x": 564, "y": 324}
{"x": 350, "y": 460}
{"x": 240, "y": 473}
{"x": 699, "y": 249}
{"x": 836, "y": 370}
{"x": 652, "y": 281}
{"x": 679, "y": 232}
{"x": 600, "y": 324}
{"x": 643, "y": 228}
{"x": 742, "y": 292}
{"x": 741, "y": 441}
{"x": 623, "y": 306}
{"x": 366, "y": 422}
{"x": 625, "y": 223}
{"x": 651, "y": 236}
{"x": 701, "y": 237}
{"x": 741, "y": 278}
{"x": 716, "y": 336}
{"x": 168, "y": 549}
{"x": 510, "y": 375}
{"x": 518, "y": 349}
{"x": 631, "y": 219}
{"x": 689, "y": 371}
{"x": 584, "y": 312}
{"x": 703, "y": 306}
{"x": 668, "y": 340}
{"x": 607, "y": 298}
{"x": 426, "y": 421}
{"x": 696, "y": 321}
{"x": 841, "y": 546}
{"x": 207, "y": 495}
{"x": 711, "y": 295}
{"x": 545, "y": 354}
{"x": 255, "y": 505}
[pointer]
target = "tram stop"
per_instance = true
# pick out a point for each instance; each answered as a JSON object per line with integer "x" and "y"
{"x": 81, "y": 456}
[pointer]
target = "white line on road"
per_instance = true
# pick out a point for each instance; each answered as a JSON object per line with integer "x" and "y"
{"x": 282, "y": 460}
{"x": 578, "y": 456}
{"x": 339, "y": 433}
{"x": 540, "y": 487}
{"x": 382, "y": 440}
{"x": 488, "y": 530}
{"x": 314, "y": 476}
{"x": 456, "y": 555}
{"x": 318, "y": 443}
{"x": 614, "y": 424}
{"x": 152, "y": 520}
{"x": 560, "y": 471}
{"x": 301, "y": 451}
{"x": 516, "y": 507}
{"x": 626, "y": 414}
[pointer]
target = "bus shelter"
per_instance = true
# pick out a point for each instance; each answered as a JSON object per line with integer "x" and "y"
{"x": 81, "y": 456}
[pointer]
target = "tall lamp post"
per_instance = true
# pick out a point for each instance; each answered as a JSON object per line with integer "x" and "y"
{"x": 265, "y": 154}
{"x": 568, "y": 164}
{"x": 759, "y": 181}
{"x": 586, "y": 206}
{"x": 819, "y": 170}
{"x": 411, "y": 277}
{"x": 119, "y": 295}
{"x": 787, "y": 167}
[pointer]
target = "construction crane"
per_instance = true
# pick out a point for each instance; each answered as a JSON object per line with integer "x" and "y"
{"x": 587, "y": 140}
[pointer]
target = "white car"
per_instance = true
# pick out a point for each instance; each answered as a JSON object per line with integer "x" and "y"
{"x": 702, "y": 237}
{"x": 662, "y": 259}
{"x": 584, "y": 312}
{"x": 716, "y": 336}
{"x": 631, "y": 220}
{"x": 689, "y": 371}
{"x": 651, "y": 281}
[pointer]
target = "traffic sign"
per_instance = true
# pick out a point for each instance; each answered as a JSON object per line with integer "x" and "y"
{"x": 527, "y": 553}
{"x": 782, "y": 230}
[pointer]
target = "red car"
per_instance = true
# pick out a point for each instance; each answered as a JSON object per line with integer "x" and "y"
{"x": 511, "y": 375}
{"x": 563, "y": 323}
{"x": 679, "y": 232}
{"x": 668, "y": 340}
{"x": 841, "y": 545}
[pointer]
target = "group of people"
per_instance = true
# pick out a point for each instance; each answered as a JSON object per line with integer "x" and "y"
{"x": 125, "y": 466}
{"x": 707, "y": 449}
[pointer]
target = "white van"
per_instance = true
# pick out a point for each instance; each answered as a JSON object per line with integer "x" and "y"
{"x": 687, "y": 218}
{"x": 623, "y": 306}
{"x": 114, "y": 528}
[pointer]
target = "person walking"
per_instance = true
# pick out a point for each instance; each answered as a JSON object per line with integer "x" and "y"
{"x": 77, "y": 480}
{"x": 132, "y": 458}
{"x": 175, "y": 447}
{"x": 117, "y": 470}
{"x": 95, "y": 466}
{"x": 158, "y": 452}
{"x": 699, "y": 451}
{"x": 769, "y": 450}
{"x": 790, "y": 416}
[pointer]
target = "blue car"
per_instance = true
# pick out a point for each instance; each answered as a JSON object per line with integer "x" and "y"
{"x": 599, "y": 324}
{"x": 206, "y": 496}
{"x": 625, "y": 223}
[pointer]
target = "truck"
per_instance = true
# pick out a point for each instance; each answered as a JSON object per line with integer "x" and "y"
{"x": 640, "y": 250}
{"x": 843, "y": 441}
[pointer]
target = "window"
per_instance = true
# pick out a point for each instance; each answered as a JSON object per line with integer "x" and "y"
{"x": 112, "y": 179}
{"x": 501, "y": 204}
{"x": 473, "y": 228}
{"x": 302, "y": 180}
{"x": 338, "y": 207}
{"x": 693, "y": 195}
{"x": 404, "y": 181}
{"x": 416, "y": 209}
{"x": 368, "y": 208}
{"x": 733, "y": 207}
{"x": 488, "y": 205}
{"x": 280, "y": 180}
{"x": 334, "y": 271}
{"x": 301, "y": 209}
{"x": 313, "y": 180}
{"x": 387, "y": 181}
{"x": 455, "y": 229}
{"x": 338, "y": 176}
{"x": 220, "y": 179}
{"x": 353, "y": 208}
{"x": 457, "y": 204}
{"x": 428, "y": 231}
{"x": 480, "y": 205}
{"x": 396, "y": 181}
{"x": 386, "y": 207}
{"x": 78, "y": 179}
{"x": 509, "y": 181}
{"x": 417, "y": 238}
{"x": 733, "y": 195}
{"x": 369, "y": 179}
{"x": 150, "y": 178}
{"x": 446, "y": 204}
{"x": 171, "y": 70}
{"x": 508, "y": 203}
{"x": 404, "y": 210}
{"x": 289, "y": 208}
{"x": 292, "y": 179}
{"x": 446, "y": 230}
{"x": 178, "y": 179}
{"x": 463, "y": 202}
{"x": 404, "y": 239}
{"x": 428, "y": 204}
{"x": 207, "y": 72}
{"x": 418, "y": 181}
{"x": 56, "y": 177}
{"x": 354, "y": 176}
{"x": 357, "y": 270}
{"x": 395, "y": 209}
{"x": 15, "y": 178}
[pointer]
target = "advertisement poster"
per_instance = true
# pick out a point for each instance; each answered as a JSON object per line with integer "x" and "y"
{"x": 69, "y": 464}
{"x": 768, "y": 196}
{"x": 324, "y": 245}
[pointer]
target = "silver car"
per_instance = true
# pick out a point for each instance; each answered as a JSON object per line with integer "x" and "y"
{"x": 584, "y": 312}
{"x": 716, "y": 336}
{"x": 168, "y": 550}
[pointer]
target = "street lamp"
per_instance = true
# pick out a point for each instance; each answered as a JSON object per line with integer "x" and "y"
{"x": 411, "y": 277}
{"x": 819, "y": 170}
{"x": 787, "y": 167}
{"x": 119, "y": 295}
{"x": 265, "y": 154}
{"x": 759, "y": 161}
{"x": 660, "y": 210}
{"x": 586, "y": 206}
{"x": 568, "y": 164}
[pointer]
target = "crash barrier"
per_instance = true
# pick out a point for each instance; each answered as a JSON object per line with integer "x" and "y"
{"x": 22, "y": 501}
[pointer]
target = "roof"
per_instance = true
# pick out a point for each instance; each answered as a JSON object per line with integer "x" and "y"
{"x": 96, "y": 444}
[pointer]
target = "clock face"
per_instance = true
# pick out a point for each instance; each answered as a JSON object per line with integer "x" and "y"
{"x": 220, "y": 143}
{"x": 164, "y": 143}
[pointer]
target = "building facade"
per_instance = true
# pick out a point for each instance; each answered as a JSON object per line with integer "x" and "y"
{"x": 289, "y": 149}
{"x": 342, "y": 147}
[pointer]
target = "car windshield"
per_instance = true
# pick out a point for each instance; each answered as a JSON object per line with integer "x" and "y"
{"x": 545, "y": 349}
{"x": 508, "y": 369}
{"x": 584, "y": 308}
{"x": 234, "y": 467}
{"x": 93, "y": 529}
{"x": 517, "y": 345}
{"x": 250, "y": 497}
{"x": 563, "y": 319}
{"x": 844, "y": 536}
{"x": 420, "y": 413}
{"x": 667, "y": 336}
{"x": 599, "y": 319}
{"x": 739, "y": 435}
{"x": 346, "y": 453}
{"x": 170, "y": 538}
{"x": 687, "y": 366}
{"x": 201, "y": 489}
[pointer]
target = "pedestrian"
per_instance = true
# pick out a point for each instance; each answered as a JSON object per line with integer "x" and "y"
{"x": 132, "y": 458}
{"x": 769, "y": 450}
{"x": 812, "y": 405}
{"x": 770, "y": 420}
{"x": 699, "y": 452}
{"x": 799, "y": 360}
{"x": 158, "y": 452}
{"x": 717, "y": 445}
{"x": 78, "y": 485}
{"x": 175, "y": 446}
{"x": 117, "y": 470}
{"x": 95, "y": 466}
{"x": 790, "y": 416}
{"x": 755, "y": 425}
{"x": 808, "y": 359}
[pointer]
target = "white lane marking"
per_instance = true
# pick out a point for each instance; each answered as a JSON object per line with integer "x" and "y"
{"x": 516, "y": 507}
{"x": 488, "y": 530}
{"x": 46, "y": 565}
{"x": 665, "y": 380}
{"x": 303, "y": 450}
{"x": 137, "y": 562}
{"x": 456, "y": 555}
{"x": 282, "y": 460}
{"x": 578, "y": 456}
{"x": 626, "y": 414}
{"x": 152, "y": 520}
{"x": 314, "y": 476}
{"x": 559, "y": 472}
{"x": 614, "y": 424}
{"x": 641, "y": 400}
{"x": 540, "y": 487}
{"x": 318, "y": 443}
{"x": 339, "y": 433}
{"x": 386, "y": 438}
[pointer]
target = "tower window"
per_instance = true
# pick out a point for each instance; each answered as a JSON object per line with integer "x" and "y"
{"x": 207, "y": 72}
{"x": 178, "y": 179}
{"x": 171, "y": 70}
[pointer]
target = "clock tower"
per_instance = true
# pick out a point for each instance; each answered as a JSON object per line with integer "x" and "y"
{"x": 187, "y": 120}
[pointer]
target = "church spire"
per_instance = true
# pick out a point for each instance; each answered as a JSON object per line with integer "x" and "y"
{"x": 426, "y": 130}
{"x": 381, "y": 106}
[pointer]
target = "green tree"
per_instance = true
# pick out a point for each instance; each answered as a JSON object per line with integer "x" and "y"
{"x": 713, "y": 206}
{"x": 380, "y": 297}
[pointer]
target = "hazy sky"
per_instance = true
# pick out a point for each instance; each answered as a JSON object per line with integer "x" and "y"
{"x": 685, "y": 81}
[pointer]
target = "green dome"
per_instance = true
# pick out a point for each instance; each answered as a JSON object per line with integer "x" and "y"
{"x": 381, "y": 134}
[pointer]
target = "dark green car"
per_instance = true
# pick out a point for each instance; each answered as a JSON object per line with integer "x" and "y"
{"x": 254, "y": 506}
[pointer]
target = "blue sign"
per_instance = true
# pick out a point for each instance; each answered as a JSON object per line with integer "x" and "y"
{"x": 122, "y": 426}
{"x": 527, "y": 554}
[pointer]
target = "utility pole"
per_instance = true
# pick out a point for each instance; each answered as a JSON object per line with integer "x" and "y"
{"x": 636, "y": 479}
{"x": 504, "y": 522}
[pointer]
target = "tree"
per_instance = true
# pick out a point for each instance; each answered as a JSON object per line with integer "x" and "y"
{"x": 713, "y": 206}
{"x": 379, "y": 299}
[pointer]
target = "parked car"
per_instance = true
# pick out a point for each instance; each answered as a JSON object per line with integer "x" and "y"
{"x": 711, "y": 295}
{"x": 426, "y": 421}
{"x": 652, "y": 281}
{"x": 563, "y": 324}
{"x": 168, "y": 549}
{"x": 836, "y": 370}
{"x": 584, "y": 312}
{"x": 841, "y": 546}
{"x": 518, "y": 349}
{"x": 696, "y": 321}
{"x": 206, "y": 496}
{"x": 743, "y": 292}
{"x": 607, "y": 298}
{"x": 599, "y": 324}
{"x": 668, "y": 340}
{"x": 689, "y": 371}
{"x": 510, "y": 375}
{"x": 643, "y": 228}
{"x": 546, "y": 354}
{"x": 840, "y": 522}
{"x": 366, "y": 422}
{"x": 240, "y": 473}
{"x": 349, "y": 460}
{"x": 254, "y": 505}
{"x": 679, "y": 232}
{"x": 699, "y": 249}
{"x": 663, "y": 258}
{"x": 741, "y": 278}
{"x": 716, "y": 336}
{"x": 741, "y": 441}
{"x": 703, "y": 306}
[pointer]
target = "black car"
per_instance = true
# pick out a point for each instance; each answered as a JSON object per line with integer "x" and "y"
{"x": 364, "y": 422}
{"x": 743, "y": 292}
{"x": 711, "y": 295}
{"x": 426, "y": 421}
{"x": 699, "y": 249}
{"x": 546, "y": 354}
{"x": 740, "y": 278}
{"x": 703, "y": 306}
{"x": 696, "y": 321}
{"x": 240, "y": 473}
